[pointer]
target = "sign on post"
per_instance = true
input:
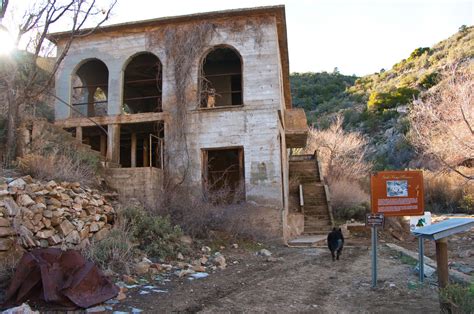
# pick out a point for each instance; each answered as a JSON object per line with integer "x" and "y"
{"x": 374, "y": 220}
{"x": 397, "y": 193}
{"x": 393, "y": 193}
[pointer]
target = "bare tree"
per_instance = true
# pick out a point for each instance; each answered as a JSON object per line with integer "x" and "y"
{"x": 342, "y": 153}
{"x": 443, "y": 122}
{"x": 20, "y": 76}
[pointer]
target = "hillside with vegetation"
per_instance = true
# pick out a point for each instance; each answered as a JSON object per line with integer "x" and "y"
{"x": 399, "y": 115}
{"x": 376, "y": 104}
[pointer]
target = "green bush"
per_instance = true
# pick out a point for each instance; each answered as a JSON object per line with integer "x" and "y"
{"x": 429, "y": 80}
{"x": 461, "y": 298}
{"x": 467, "y": 204}
{"x": 395, "y": 97}
{"x": 356, "y": 212}
{"x": 156, "y": 235}
{"x": 418, "y": 52}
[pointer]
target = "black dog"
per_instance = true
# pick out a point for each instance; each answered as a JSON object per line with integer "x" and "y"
{"x": 335, "y": 242}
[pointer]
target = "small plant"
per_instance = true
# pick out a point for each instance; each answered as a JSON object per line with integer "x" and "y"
{"x": 460, "y": 298}
{"x": 467, "y": 204}
{"x": 116, "y": 251}
{"x": 156, "y": 235}
{"x": 429, "y": 80}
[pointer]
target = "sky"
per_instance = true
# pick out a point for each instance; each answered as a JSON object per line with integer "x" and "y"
{"x": 356, "y": 36}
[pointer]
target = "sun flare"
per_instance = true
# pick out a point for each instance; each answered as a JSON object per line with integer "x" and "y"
{"x": 6, "y": 42}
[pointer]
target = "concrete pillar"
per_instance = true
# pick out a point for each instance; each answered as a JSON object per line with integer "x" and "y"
{"x": 113, "y": 143}
{"x": 134, "y": 150}
{"x": 63, "y": 91}
{"x": 79, "y": 133}
{"x": 115, "y": 88}
{"x": 103, "y": 145}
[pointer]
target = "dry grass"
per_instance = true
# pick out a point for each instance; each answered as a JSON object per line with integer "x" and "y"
{"x": 200, "y": 216}
{"x": 447, "y": 193}
{"x": 348, "y": 200}
{"x": 115, "y": 252}
{"x": 8, "y": 265}
{"x": 55, "y": 166}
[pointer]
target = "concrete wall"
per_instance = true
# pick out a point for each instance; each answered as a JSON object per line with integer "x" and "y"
{"x": 144, "y": 184}
{"x": 254, "y": 126}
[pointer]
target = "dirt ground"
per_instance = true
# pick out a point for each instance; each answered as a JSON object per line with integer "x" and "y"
{"x": 302, "y": 280}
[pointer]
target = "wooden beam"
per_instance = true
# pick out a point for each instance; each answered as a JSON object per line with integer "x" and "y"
{"x": 116, "y": 119}
{"x": 134, "y": 150}
{"x": 113, "y": 143}
{"x": 79, "y": 133}
{"x": 145, "y": 153}
{"x": 103, "y": 145}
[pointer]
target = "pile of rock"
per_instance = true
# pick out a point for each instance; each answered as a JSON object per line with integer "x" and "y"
{"x": 47, "y": 214}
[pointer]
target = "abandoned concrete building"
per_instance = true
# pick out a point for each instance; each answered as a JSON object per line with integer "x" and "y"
{"x": 203, "y": 100}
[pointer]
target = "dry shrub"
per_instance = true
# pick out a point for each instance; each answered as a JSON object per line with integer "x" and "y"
{"x": 60, "y": 167}
{"x": 115, "y": 252}
{"x": 348, "y": 200}
{"x": 442, "y": 121}
{"x": 448, "y": 193}
{"x": 8, "y": 265}
{"x": 342, "y": 154}
{"x": 200, "y": 216}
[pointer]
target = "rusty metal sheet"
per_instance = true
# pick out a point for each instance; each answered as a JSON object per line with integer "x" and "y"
{"x": 59, "y": 277}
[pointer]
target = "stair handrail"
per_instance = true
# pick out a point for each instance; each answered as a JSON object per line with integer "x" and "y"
{"x": 301, "y": 198}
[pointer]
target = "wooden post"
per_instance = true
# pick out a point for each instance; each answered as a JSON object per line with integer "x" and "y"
{"x": 442, "y": 262}
{"x": 134, "y": 150}
{"x": 113, "y": 143}
{"x": 79, "y": 133}
{"x": 103, "y": 145}
{"x": 145, "y": 152}
{"x": 442, "y": 269}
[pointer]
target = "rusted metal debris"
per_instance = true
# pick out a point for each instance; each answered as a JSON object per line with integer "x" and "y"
{"x": 61, "y": 277}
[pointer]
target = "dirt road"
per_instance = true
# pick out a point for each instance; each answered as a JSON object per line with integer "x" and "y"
{"x": 303, "y": 280}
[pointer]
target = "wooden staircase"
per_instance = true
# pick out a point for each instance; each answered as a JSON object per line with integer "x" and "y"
{"x": 313, "y": 194}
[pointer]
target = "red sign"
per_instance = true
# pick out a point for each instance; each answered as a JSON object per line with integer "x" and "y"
{"x": 397, "y": 193}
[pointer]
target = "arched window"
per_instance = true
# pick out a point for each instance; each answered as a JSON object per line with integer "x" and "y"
{"x": 221, "y": 78}
{"x": 142, "y": 84}
{"x": 90, "y": 89}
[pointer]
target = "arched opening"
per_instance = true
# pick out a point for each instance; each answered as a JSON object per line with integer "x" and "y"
{"x": 221, "y": 79}
{"x": 90, "y": 89}
{"x": 142, "y": 84}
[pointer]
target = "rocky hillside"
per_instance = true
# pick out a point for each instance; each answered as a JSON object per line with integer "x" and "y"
{"x": 376, "y": 105}
{"x": 42, "y": 214}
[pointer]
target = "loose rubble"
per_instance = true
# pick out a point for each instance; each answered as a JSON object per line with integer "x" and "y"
{"x": 50, "y": 214}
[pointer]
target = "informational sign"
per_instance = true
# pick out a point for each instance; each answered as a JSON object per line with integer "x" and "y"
{"x": 420, "y": 221}
{"x": 374, "y": 220}
{"x": 397, "y": 193}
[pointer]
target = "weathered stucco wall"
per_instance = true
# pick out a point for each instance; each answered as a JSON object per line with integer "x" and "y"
{"x": 145, "y": 184}
{"x": 254, "y": 126}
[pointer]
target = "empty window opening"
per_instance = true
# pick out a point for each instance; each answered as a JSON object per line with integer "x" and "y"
{"x": 221, "y": 79}
{"x": 141, "y": 145}
{"x": 223, "y": 173}
{"x": 90, "y": 89}
{"x": 142, "y": 84}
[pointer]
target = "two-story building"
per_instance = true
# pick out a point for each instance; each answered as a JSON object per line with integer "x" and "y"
{"x": 202, "y": 100}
